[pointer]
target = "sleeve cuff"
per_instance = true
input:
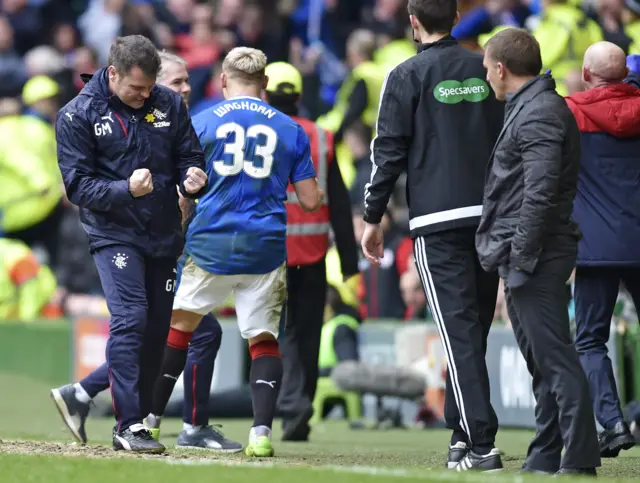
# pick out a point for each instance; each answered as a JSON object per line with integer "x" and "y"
{"x": 190, "y": 196}
{"x": 120, "y": 191}
{"x": 371, "y": 218}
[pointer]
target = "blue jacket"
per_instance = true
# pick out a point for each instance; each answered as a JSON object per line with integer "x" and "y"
{"x": 101, "y": 142}
{"x": 607, "y": 205}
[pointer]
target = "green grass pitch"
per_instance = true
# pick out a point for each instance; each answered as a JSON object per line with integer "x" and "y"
{"x": 36, "y": 448}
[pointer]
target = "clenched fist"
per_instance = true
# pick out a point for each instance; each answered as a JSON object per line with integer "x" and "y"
{"x": 140, "y": 183}
{"x": 196, "y": 179}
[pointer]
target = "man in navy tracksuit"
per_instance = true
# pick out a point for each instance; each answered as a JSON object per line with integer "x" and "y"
{"x": 203, "y": 348}
{"x": 607, "y": 210}
{"x": 124, "y": 144}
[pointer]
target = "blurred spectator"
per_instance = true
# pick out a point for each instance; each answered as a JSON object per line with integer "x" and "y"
{"x": 608, "y": 14}
{"x": 100, "y": 24}
{"x": 31, "y": 186}
{"x": 564, "y": 33}
{"x": 251, "y": 33}
{"x": 12, "y": 72}
{"x": 85, "y": 62}
{"x": 199, "y": 48}
{"x": 228, "y": 13}
{"x": 358, "y": 97}
{"x": 632, "y": 28}
{"x": 47, "y": 61}
{"x": 65, "y": 40}
{"x": 387, "y": 18}
{"x": 490, "y": 17}
{"x": 27, "y": 24}
{"x": 27, "y": 286}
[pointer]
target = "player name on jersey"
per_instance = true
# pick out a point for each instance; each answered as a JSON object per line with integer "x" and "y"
{"x": 244, "y": 105}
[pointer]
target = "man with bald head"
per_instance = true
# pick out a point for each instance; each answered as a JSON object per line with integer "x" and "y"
{"x": 607, "y": 210}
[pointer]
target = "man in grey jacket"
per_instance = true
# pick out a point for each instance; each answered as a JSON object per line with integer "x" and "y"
{"x": 526, "y": 233}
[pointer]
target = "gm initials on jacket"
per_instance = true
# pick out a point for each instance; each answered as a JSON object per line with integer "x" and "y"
{"x": 104, "y": 128}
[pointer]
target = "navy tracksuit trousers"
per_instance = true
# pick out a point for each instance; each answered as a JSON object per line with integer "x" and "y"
{"x": 139, "y": 293}
{"x": 595, "y": 293}
{"x": 198, "y": 373}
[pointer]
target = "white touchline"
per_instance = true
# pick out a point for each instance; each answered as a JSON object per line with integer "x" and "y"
{"x": 415, "y": 473}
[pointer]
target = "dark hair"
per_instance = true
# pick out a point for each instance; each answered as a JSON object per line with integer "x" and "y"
{"x": 435, "y": 16}
{"x": 286, "y": 103}
{"x": 135, "y": 51}
{"x": 517, "y": 50}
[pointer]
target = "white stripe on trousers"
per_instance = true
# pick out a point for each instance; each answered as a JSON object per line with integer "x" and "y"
{"x": 420, "y": 254}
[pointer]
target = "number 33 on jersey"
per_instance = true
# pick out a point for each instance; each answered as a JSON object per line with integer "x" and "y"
{"x": 252, "y": 152}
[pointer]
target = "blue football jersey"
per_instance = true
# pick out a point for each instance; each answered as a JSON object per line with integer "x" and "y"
{"x": 252, "y": 152}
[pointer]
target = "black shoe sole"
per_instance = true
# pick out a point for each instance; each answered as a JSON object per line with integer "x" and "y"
{"x": 66, "y": 417}
{"x": 619, "y": 443}
{"x": 296, "y": 428}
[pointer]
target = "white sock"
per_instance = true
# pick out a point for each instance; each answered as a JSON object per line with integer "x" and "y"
{"x": 81, "y": 394}
{"x": 190, "y": 428}
{"x": 261, "y": 431}
{"x": 153, "y": 421}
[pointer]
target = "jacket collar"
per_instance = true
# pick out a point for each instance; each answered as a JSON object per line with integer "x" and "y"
{"x": 532, "y": 88}
{"x": 446, "y": 41}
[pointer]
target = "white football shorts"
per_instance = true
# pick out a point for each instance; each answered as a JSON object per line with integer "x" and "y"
{"x": 259, "y": 298}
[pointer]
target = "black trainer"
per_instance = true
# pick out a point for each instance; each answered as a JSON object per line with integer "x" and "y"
{"x": 577, "y": 472}
{"x": 614, "y": 440}
{"x": 136, "y": 438}
{"x": 456, "y": 454}
{"x": 74, "y": 413}
{"x": 488, "y": 462}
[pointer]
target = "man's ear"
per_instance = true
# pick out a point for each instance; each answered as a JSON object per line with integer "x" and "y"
{"x": 112, "y": 72}
{"x": 265, "y": 82}
{"x": 456, "y": 19}
{"x": 223, "y": 80}
{"x": 502, "y": 72}
{"x": 415, "y": 25}
{"x": 586, "y": 75}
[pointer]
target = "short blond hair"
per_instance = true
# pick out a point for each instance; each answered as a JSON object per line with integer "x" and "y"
{"x": 245, "y": 65}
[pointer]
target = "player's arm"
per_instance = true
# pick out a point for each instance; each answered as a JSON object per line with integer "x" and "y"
{"x": 76, "y": 161}
{"x": 303, "y": 175}
{"x": 391, "y": 145}
{"x": 189, "y": 156}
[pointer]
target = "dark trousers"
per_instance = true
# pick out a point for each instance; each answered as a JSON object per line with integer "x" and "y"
{"x": 595, "y": 294}
{"x": 462, "y": 299}
{"x": 198, "y": 373}
{"x": 300, "y": 344}
{"x": 139, "y": 293}
{"x": 540, "y": 320}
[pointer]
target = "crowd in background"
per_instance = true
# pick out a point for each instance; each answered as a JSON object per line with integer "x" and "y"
{"x": 46, "y": 44}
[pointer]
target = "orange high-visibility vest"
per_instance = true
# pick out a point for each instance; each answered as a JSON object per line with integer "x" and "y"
{"x": 308, "y": 233}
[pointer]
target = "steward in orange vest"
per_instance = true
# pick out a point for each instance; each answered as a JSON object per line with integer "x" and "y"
{"x": 307, "y": 245}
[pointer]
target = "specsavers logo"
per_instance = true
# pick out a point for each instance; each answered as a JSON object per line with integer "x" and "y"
{"x": 453, "y": 91}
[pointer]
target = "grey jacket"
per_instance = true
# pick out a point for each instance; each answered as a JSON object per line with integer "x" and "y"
{"x": 531, "y": 180}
